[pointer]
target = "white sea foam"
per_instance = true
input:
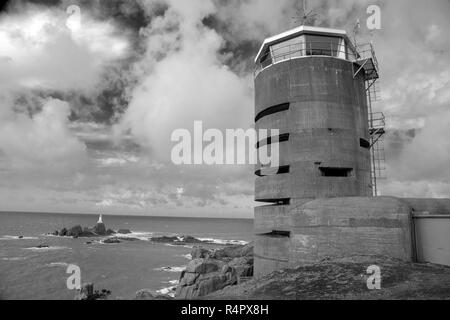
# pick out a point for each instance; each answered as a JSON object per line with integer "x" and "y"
{"x": 17, "y": 238}
{"x": 179, "y": 245}
{"x": 52, "y": 248}
{"x": 14, "y": 259}
{"x": 58, "y": 264}
{"x": 223, "y": 241}
{"x": 171, "y": 269}
{"x": 144, "y": 236}
{"x": 186, "y": 256}
{"x": 169, "y": 291}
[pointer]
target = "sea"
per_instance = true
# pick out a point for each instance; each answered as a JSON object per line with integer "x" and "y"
{"x": 31, "y": 273}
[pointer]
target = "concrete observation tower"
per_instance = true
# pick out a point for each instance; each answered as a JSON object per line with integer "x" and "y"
{"x": 313, "y": 85}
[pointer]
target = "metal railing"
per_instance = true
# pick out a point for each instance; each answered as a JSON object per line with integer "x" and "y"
{"x": 313, "y": 48}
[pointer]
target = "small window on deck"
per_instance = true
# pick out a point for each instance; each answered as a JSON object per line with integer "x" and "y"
{"x": 336, "y": 172}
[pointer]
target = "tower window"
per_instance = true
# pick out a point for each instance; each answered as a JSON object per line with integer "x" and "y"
{"x": 272, "y": 110}
{"x": 364, "y": 143}
{"x": 336, "y": 172}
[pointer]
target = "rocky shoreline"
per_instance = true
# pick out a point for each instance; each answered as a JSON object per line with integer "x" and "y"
{"x": 209, "y": 270}
{"x": 114, "y": 237}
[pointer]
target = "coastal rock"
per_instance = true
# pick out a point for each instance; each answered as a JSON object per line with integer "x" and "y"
{"x": 243, "y": 266}
{"x": 124, "y": 231}
{"x": 110, "y": 232}
{"x": 216, "y": 282}
{"x": 234, "y": 252}
{"x": 175, "y": 240}
{"x": 164, "y": 239}
{"x": 188, "y": 279}
{"x": 147, "y": 294}
{"x": 63, "y": 232}
{"x": 202, "y": 266}
{"x": 41, "y": 246}
{"x": 204, "y": 276}
{"x": 200, "y": 253}
{"x": 111, "y": 240}
{"x": 205, "y": 284}
{"x": 75, "y": 231}
{"x": 86, "y": 292}
{"x": 87, "y": 233}
{"x": 190, "y": 239}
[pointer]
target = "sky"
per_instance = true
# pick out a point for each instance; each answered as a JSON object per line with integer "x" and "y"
{"x": 89, "y": 98}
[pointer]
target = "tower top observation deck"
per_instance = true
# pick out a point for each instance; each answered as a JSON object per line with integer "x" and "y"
{"x": 307, "y": 41}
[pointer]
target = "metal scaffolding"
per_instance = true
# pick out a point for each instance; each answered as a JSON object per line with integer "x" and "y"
{"x": 368, "y": 64}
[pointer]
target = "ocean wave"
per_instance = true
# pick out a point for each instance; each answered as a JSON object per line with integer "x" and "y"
{"x": 14, "y": 259}
{"x": 223, "y": 241}
{"x": 171, "y": 269}
{"x": 58, "y": 264}
{"x": 144, "y": 236}
{"x": 18, "y": 238}
{"x": 186, "y": 256}
{"x": 51, "y": 248}
{"x": 179, "y": 245}
{"x": 169, "y": 291}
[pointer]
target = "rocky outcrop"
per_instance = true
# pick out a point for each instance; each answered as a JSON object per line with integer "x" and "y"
{"x": 175, "y": 240}
{"x": 87, "y": 293}
{"x": 79, "y": 232}
{"x": 147, "y": 294}
{"x": 124, "y": 231}
{"x": 213, "y": 270}
{"x": 111, "y": 240}
{"x": 200, "y": 253}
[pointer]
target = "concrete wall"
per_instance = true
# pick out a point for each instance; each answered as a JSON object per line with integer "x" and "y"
{"x": 350, "y": 226}
{"x": 337, "y": 227}
{"x": 326, "y": 119}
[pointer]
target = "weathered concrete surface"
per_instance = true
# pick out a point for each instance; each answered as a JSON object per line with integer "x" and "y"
{"x": 270, "y": 253}
{"x": 346, "y": 279}
{"x": 337, "y": 227}
{"x": 347, "y": 226}
{"x": 326, "y": 118}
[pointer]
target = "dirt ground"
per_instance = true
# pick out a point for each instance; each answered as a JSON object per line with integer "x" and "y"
{"x": 346, "y": 279}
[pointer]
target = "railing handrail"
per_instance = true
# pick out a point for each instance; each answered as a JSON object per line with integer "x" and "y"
{"x": 303, "y": 47}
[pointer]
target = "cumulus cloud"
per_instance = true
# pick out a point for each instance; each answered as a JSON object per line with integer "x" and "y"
{"x": 186, "y": 82}
{"x": 41, "y": 141}
{"x": 45, "y": 53}
{"x": 43, "y": 49}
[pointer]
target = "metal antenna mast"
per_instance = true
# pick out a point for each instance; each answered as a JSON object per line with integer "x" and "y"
{"x": 303, "y": 15}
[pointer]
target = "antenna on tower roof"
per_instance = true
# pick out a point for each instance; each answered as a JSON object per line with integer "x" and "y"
{"x": 303, "y": 15}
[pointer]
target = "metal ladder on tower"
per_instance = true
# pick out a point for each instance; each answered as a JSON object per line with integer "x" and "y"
{"x": 367, "y": 64}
